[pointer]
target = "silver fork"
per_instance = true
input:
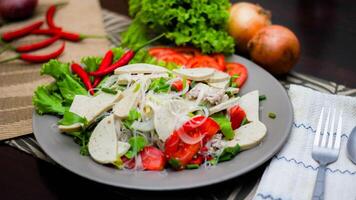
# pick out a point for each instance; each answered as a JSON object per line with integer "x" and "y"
{"x": 326, "y": 147}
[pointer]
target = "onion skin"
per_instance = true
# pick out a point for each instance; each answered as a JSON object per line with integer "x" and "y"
{"x": 276, "y": 48}
{"x": 245, "y": 20}
{"x": 13, "y": 10}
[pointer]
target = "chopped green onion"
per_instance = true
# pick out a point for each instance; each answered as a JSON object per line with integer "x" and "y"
{"x": 192, "y": 166}
{"x": 174, "y": 163}
{"x": 272, "y": 115}
{"x": 262, "y": 97}
{"x": 234, "y": 77}
{"x": 137, "y": 88}
{"x": 233, "y": 84}
{"x": 108, "y": 90}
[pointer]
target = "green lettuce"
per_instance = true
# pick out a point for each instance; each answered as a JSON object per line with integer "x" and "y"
{"x": 56, "y": 97}
{"x": 201, "y": 23}
{"x": 137, "y": 144}
{"x": 70, "y": 118}
{"x": 47, "y": 102}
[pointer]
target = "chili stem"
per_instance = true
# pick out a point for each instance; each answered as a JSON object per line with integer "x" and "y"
{"x": 5, "y": 48}
{"x": 10, "y": 59}
{"x": 83, "y": 36}
{"x": 149, "y": 42}
{"x": 60, "y": 4}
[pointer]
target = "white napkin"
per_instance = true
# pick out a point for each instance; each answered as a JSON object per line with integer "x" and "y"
{"x": 292, "y": 172}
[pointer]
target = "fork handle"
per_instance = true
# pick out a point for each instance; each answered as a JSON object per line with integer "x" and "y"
{"x": 318, "y": 193}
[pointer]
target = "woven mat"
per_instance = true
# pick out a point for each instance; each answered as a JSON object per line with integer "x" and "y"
{"x": 18, "y": 79}
{"x": 240, "y": 188}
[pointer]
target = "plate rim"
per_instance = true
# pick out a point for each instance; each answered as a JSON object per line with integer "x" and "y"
{"x": 224, "y": 178}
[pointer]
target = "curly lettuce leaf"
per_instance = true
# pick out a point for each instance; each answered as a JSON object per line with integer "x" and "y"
{"x": 70, "y": 118}
{"x": 201, "y": 23}
{"x": 46, "y": 102}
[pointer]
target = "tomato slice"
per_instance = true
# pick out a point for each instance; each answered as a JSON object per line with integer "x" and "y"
{"x": 240, "y": 70}
{"x": 159, "y": 51}
{"x": 204, "y": 61}
{"x": 173, "y": 57}
{"x": 182, "y": 153}
{"x": 152, "y": 158}
{"x": 198, "y": 160}
{"x": 237, "y": 114}
{"x": 220, "y": 59}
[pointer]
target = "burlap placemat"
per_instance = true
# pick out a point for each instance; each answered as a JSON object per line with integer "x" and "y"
{"x": 18, "y": 79}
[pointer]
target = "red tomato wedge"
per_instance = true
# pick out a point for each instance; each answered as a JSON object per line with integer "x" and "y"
{"x": 182, "y": 153}
{"x": 237, "y": 114}
{"x": 177, "y": 85}
{"x": 198, "y": 160}
{"x": 152, "y": 158}
{"x": 240, "y": 70}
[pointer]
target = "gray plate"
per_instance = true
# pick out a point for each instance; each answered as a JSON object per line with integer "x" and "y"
{"x": 65, "y": 152}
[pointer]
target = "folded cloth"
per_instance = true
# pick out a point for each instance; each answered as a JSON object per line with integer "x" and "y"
{"x": 292, "y": 172}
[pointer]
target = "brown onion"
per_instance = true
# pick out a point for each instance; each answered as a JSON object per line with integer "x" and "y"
{"x": 244, "y": 22}
{"x": 275, "y": 48}
{"x": 17, "y": 9}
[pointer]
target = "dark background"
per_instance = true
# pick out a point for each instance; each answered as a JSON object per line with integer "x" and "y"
{"x": 327, "y": 32}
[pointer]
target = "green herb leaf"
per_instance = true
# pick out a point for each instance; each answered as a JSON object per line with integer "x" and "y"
{"x": 91, "y": 64}
{"x": 159, "y": 85}
{"x": 229, "y": 153}
{"x": 224, "y": 124}
{"x": 70, "y": 118}
{"x": 133, "y": 116}
{"x": 82, "y": 138}
{"x": 137, "y": 144}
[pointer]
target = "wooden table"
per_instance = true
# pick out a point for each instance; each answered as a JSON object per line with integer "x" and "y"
{"x": 327, "y": 31}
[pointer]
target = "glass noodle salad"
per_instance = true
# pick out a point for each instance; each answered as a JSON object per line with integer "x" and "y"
{"x": 147, "y": 116}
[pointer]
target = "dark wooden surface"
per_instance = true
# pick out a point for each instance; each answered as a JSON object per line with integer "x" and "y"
{"x": 327, "y": 32}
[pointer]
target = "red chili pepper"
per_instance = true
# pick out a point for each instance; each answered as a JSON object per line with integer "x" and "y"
{"x": 77, "y": 69}
{"x": 21, "y": 32}
{"x": 38, "y": 45}
{"x": 124, "y": 60}
{"x": 74, "y": 37}
{"x": 106, "y": 62}
{"x": 37, "y": 58}
{"x": 49, "y": 17}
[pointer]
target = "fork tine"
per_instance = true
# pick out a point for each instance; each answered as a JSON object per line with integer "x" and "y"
{"x": 318, "y": 129}
{"x": 331, "y": 131}
{"x": 326, "y": 127}
{"x": 338, "y": 132}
